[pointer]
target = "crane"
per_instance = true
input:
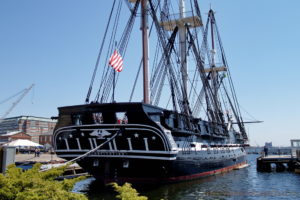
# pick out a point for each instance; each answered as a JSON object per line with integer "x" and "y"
{"x": 24, "y": 92}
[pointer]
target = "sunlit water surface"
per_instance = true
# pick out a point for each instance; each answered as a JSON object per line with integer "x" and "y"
{"x": 245, "y": 184}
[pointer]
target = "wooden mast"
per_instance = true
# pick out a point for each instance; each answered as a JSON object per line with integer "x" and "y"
{"x": 183, "y": 49}
{"x": 144, "y": 28}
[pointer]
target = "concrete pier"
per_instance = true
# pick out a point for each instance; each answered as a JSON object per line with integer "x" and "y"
{"x": 43, "y": 158}
{"x": 282, "y": 163}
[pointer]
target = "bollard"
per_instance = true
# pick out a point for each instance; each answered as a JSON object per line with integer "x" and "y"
{"x": 7, "y": 157}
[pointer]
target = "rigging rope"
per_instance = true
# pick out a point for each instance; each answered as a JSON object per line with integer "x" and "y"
{"x": 162, "y": 69}
{"x": 106, "y": 86}
{"x": 99, "y": 55}
{"x": 232, "y": 89}
{"x": 206, "y": 86}
{"x": 229, "y": 77}
{"x": 163, "y": 38}
{"x": 105, "y": 70}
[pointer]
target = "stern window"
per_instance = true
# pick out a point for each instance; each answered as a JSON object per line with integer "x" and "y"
{"x": 122, "y": 118}
{"x": 77, "y": 119}
{"x": 98, "y": 118}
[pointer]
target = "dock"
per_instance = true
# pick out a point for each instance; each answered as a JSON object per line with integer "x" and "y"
{"x": 25, "y": 161}
{"x": 282, "y": 163}
{"x": 43, "y": 158}
{"x": 289, "y": 161}
{"x": 49, "y": 161}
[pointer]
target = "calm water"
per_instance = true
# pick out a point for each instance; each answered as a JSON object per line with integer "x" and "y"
{"x": 246, "y": 183}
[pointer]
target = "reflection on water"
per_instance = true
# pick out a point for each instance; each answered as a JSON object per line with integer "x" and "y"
{"x": 245, "y": 183}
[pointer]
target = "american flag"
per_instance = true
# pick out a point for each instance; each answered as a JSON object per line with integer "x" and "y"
{"x": 116, "y": 61}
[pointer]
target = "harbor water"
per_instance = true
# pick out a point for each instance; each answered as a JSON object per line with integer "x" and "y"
{"x": 245, "y": 183}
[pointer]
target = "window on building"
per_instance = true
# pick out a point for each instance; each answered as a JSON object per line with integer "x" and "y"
{"x": 33, "y": 123}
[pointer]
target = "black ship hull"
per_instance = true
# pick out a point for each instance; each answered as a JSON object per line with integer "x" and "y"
{"x": 151, "y": 172}
{"x": 142, "y": 150}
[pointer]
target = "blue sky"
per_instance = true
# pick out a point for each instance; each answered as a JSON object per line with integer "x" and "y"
{"x": 54, "y": 44}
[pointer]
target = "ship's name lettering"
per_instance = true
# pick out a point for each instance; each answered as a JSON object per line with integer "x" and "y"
{"x": 108, "y": 153}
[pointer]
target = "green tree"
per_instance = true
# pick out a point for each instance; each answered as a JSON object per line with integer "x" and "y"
{"x": 35, "y": 185}
{"x": 126, "y": 192}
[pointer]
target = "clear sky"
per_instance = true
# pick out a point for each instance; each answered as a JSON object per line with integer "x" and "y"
{"x": 54, "y": 44}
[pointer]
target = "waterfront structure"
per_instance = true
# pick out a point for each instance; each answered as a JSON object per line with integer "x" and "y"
{"x": 195, "y": 130}
{"x": 295, "y": 145}
{"x": 29, "y": 125}
{"x": 282, "y": 162}
{"x": 268, "y": 144}
{"x": 286, "y": 158}
{"x": 271, "y": 150}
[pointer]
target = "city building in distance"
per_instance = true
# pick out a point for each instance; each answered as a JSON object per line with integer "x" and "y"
{"x": 25, "y": 127}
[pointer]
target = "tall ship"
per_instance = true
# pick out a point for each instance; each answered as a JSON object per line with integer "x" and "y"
{"x": 188, "y": 124}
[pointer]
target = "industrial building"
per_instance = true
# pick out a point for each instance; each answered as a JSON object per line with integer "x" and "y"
{"x": 29, "y": 125}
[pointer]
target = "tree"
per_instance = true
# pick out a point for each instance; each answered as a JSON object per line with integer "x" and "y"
{"x": 35, "y": 185}
{"x": 126, "y": 192}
